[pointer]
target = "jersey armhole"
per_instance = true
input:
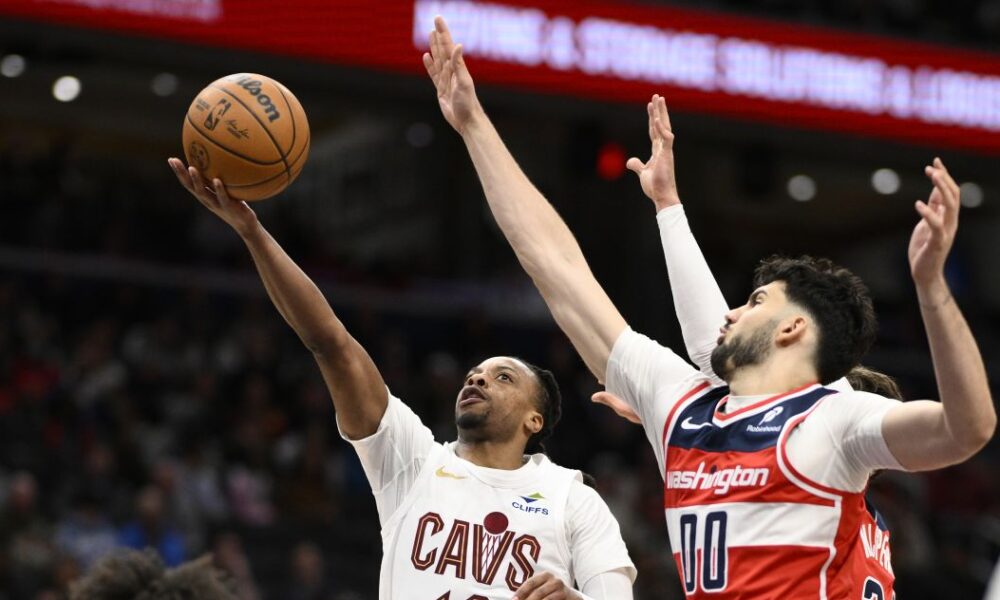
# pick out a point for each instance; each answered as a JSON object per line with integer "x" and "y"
{"x": 794, "y": 475}
{"x": 674, "y": 411}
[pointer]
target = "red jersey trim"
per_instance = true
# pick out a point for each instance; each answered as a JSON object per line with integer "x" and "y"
{"x": 670, "y": 417}
{"x": 783, "y": 449}
{"x": 721, "y": 416}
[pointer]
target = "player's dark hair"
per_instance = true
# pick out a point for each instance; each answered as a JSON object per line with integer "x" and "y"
{"x": 142, "y": 575}
{"x": 549, "y": 402}
{"x": 864, "y": 379}
{"x": 836, "y": 299}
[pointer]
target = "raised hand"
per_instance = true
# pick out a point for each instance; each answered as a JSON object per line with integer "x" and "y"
{"x": 455, "y": 90}
{"x": 235, "y": 213}
{"x": 616, "y": 404}
{"x": 935, "y": 233}
{"x": 656, "y": 175}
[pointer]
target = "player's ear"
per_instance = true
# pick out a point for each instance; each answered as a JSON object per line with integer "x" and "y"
{"x": 791, "y": 330}
{"x": 533, "y": 422}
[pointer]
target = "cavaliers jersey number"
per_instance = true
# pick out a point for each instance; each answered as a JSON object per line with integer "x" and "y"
{"x": 713, "y": 553}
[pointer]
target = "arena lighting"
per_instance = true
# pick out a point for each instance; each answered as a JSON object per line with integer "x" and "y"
{"x": 66, "y": 88}
{"x": 164, "y": 84}
{"x": 971, "y": 194}
{"x": 610, "y": 161}
{"x": 801, "y": 188}
{"x": 885, "y": 181}
{"x": 12, "y": 65}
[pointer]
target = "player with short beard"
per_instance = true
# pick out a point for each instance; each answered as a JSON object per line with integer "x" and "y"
{"x": 480, "y": 518}
{"x": 745, "y": 518}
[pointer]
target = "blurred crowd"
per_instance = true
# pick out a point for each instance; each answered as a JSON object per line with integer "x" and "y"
{"x": 192, "y": 423}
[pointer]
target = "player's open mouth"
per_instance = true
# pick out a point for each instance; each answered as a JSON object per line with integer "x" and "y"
{"x": 470, "y": 400}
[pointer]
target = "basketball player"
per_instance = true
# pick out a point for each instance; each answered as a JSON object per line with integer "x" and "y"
{"x": 753, "y": 509}
{"x": 475, "y": 519}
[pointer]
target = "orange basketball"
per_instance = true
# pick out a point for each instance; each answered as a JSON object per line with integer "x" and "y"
{"x": 249, "y": 131}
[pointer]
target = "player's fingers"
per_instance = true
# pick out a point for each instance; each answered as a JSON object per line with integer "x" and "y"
{"x": 181, "y": 172}
{"x": 663, "y": 132}
{"x": 661, "y": 112}
{"x": 616, "y": 404}
{"x": 933, "y": 218}
{"x": 220, "y": 191}
{"x": 458, "y": 60}
{"x": 200, "y": 189}
{"x": 528, "y": 587}
{"x": 949, "y": 182}
{"x": 442, "y": 27}
{"x": 635, "y": 165}
{"x": 546, "y": 590}
{"x": 649, "y": 120}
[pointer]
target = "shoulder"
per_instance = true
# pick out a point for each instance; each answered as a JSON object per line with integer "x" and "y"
{"x": 848, "y": 407}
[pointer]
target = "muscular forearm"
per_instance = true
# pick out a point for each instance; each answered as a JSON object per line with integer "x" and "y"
{"x": 545, "y": 248}
{"x": 535, "y": 231}
{"x": 355, "y": 384}
{"x": 294, "y": 294}
{"x": 958, "y": 367}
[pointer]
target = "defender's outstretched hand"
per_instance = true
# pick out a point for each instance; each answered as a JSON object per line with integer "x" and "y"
{"x": 656, "y": 175}
{"x": 616, "y": 404}
{"x": 935, "y": 233}
{"x": 455, "y": 90}
{"x": 236, "y": 213}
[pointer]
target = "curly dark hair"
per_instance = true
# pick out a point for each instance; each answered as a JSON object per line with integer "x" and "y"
{"x": 837, "y": 300}
{"x": 549, "y": 403}
{"x": 141, "y": 575}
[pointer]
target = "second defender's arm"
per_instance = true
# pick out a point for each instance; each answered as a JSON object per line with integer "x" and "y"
{"x": 928, "y": 435}
{"x": 355, "y": 384}
{"x": 541, "y": 240}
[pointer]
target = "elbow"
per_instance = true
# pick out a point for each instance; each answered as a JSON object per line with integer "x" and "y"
{"x": 327, "y": 344}
{"x": 976, "y": 437}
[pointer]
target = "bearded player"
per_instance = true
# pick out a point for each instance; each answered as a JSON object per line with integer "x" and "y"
{"x": 753, "y": 511}
{"x": 474, "y": 519}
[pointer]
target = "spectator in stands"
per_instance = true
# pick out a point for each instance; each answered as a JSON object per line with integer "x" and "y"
{"x": 152, "y": 529}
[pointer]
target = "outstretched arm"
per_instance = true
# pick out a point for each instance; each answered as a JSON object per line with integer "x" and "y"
{"x": 541, "y": 240}
{"x": 358, "y": 392}
{"x": 928, "y": 435}
{"x": 698, "y": 301}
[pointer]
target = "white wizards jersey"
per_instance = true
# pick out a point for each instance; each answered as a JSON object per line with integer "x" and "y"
{"x": 452, "y": 530}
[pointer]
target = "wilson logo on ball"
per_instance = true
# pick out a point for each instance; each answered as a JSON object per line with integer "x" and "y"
{"x": 253, "y": 86}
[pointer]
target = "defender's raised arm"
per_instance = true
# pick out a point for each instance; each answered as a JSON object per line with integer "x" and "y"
{"x": 929, "y": 435}
{"x": 540, "y": 239}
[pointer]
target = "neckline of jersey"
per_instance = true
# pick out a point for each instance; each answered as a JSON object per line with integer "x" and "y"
{"x": 502, "y": 478}
{"x": 760, "y": 404}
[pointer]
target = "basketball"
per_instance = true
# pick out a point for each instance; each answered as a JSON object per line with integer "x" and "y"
{"x": 249, "y": 131}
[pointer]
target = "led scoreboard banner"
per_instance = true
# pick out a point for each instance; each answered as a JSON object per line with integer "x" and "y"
{"x": 742, "y": 67}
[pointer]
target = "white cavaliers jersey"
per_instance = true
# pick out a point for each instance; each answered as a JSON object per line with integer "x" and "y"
{"x": 452, "y": 530}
